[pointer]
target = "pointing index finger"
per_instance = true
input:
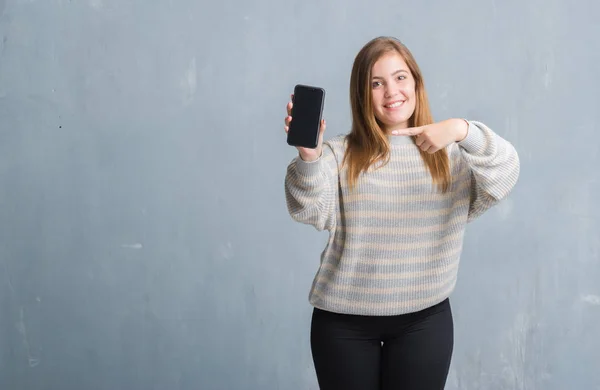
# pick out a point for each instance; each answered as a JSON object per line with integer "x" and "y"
{"x": 408, "y": 131}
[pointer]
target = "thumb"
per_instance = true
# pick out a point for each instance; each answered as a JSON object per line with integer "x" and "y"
{"x": 322, "y": 130}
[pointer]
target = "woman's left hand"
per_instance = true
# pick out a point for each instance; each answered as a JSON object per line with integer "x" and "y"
{"x": 436, "y": 136}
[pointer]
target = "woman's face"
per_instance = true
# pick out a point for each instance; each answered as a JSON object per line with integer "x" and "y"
{"x": 393, "y": 91}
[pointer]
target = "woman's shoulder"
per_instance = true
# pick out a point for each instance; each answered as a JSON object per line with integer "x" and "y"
{"x": 337, "y": 140}
{"x": 338, "y": 144}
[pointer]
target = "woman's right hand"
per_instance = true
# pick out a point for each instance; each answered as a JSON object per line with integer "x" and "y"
{"x": 306, "y": 154}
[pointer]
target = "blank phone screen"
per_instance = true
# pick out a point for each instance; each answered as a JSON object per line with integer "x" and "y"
{"x": 306, "y": 116}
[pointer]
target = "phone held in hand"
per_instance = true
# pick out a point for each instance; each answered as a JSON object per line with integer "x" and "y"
{"x": 307, "y": 111}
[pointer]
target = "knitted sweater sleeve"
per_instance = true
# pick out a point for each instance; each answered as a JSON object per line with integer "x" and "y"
{"x": 494, "y": 167}
{"x": 311, "y": 190}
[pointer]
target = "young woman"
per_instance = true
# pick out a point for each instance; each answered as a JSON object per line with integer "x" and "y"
{"x": 395, "y": 195}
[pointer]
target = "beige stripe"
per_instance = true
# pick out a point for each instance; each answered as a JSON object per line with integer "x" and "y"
{"x": 388, "y": 261}
{"x": 362, "y": 305}
{"x": 416, "y": 157}
{"x": 386, "y": 183}
{"x": 394, "y": 198}
{"x": 403, "y": 215}
{"x": 312, "y": 182}
{"x": 389, "y": 276}
{"x": 388, "y": 231}
{"x": 383, "y": 290}
{"x": 317, "y": 198}
{"x": 398, "y": 246}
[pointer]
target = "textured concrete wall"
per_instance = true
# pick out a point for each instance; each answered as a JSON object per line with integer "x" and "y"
{"x": 144, "y": 239}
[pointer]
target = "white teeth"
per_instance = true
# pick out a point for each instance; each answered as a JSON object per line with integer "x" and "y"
{"x": 394, "y": 105}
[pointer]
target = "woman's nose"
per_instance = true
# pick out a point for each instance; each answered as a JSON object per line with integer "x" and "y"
{"x": 390, "y": 93}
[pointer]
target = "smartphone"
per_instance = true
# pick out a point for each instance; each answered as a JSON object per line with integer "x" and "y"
{"x": 307, "y": 111}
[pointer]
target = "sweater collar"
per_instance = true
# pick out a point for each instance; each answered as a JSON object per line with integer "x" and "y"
{"x": 400, "y": 140}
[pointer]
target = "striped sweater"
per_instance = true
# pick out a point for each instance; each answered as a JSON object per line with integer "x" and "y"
{"x": 395, "y": 241}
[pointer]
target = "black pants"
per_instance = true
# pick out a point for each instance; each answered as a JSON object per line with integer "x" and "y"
{"x": 417, "y": 347}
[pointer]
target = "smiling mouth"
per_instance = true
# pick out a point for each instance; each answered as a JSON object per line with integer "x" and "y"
{"x": 394, "y": 104}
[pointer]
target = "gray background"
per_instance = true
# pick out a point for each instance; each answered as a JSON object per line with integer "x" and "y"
{"x": 144, "y": 238}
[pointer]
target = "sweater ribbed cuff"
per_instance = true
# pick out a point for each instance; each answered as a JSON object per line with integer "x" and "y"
{"x": 475, "y": 139}
{"x": 308, "y": 168}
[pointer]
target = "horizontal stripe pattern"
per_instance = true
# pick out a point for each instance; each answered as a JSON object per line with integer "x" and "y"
{"x": 395, "y": 240}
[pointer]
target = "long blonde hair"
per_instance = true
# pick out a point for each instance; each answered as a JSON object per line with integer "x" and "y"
{"x": 367, "y": 141}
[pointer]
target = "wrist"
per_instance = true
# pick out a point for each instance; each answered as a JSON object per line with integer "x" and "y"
{"x": 461, "y": 129}
{"x": 310, "y": 157}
